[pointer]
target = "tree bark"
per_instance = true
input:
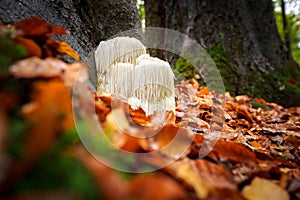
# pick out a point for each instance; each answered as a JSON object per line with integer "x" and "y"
{"x": 244, "y": 36}
{"x": 88, "y": 21}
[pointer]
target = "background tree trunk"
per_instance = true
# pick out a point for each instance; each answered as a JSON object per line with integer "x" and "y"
{"x": 89, "y": 22}
{"x": 241, "y": 37}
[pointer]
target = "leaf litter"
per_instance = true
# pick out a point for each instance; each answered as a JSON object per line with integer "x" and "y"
{"x": 235, "y": 150}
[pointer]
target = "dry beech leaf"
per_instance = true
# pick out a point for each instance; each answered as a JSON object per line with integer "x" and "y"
{"x": 138, "y": 116}
{"x": 215, "y": 175}
{"x": 37, "y": 67}
{"x": 50, "y": 113}
{"x": 117, "y": 120}
{"x": 260, "y": 100}
{"x": 101, "y": 110}
{"x": 32, "y": 48}
{"x": 262, "y": 189}
{"x": 244, "y": 113}
{"x": 51, "y": 103}
{"x": 109, "y": 182}
{"x": 242, "y": 99}
{"x": 234, "y": 152}
{"x": 38, "y": 27}
{"x": 172, "y": 141}
{"x": 59, "y": 47}
{"x": 186, "y": 170}
{"x": 203, "y": 92}
{"x": 73, "y": 73}
{"x": 156, "y": 186}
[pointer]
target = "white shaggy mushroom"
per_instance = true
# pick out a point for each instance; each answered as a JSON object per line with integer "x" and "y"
{"x": 154, "y": 84}
{"x": 125, "y": 69}
{"x": 111, "y": 52}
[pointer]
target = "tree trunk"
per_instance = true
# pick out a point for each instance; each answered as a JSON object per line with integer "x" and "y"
{"x": 241, "y": 37}
{"x": 89, "y": 22}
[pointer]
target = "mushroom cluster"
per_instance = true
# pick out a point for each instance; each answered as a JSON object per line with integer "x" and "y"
{"x": 125, "y": 69}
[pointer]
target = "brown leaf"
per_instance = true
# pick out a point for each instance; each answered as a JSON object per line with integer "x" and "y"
{"x": 243, "y": 112}
{"x": 32, "y": 48}
{"x": 35, "y": 26}
{"x": 75, "y": 72}
{"x": 109, "y": 182}
{"x": 260, "y": 100}
{"x": 139, "y": 117}
{"x": 50, "y": 113}
{"x": 36, "y": 67}
{"x": 234, "y": 152}
{"x": 261, "y": 189}
{"x": 58, "y": 47}
{"x": 186, "y": 171}
{"x": 204, "y": 92}
{"x": 172, "y": 141}
{"x": 156, "y": 186}
{"x": 215, "y": 175}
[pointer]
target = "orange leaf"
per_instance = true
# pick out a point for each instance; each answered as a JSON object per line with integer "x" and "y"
{"x": 156, "y": 186}
{"x": 139, "y": 117}
{"x": 243, "y": 112}
{"x": 53, "y": 101}
{"x": 234, "y": 152}
{"x": 172, "y": 141}
{"x": 214, "y": 175}
{"x": 260, "y": 100}
{"x": 204, "y": 91}
{"x": 32, "y": 47}
{"x": 109, "y": 182}
{"x": 58, "y": 47}
{"x": 50, "y": 113}
{"x": 38, "y": 27}
{"x": 186, "y": 170}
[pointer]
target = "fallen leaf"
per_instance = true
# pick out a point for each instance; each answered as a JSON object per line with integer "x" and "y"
{"x": 32, "y": 48}
{"x": 262, "y": 189}
{"x": 234, "y": 152}
{"x": 35, "y": 26}
{"x": 156, "y": 186}
{"x": 172, "y": 141}
{"x": 186, "y": 170}
{"x": 59, "y": 47}
{"x": 50, "y": 113}
{"x": 36, "y": 67}
{"x": 216, "y": 176}
{"x": 109, "y": 182}
{"x": 243, "y": 112}
{"x": 203, "y": 92}
{"x": 75, "y": 72}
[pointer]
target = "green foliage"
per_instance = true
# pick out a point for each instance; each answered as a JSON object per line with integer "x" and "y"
{"x": 141, "y": 8}
{"x": 57, "y": 170}
{"x": 185, "y": 69}
{"x": 9, "y": 51}
{"x": 257, "y": 105}
{"x": 293, "y": 26}
{"x": 16, "y": 136}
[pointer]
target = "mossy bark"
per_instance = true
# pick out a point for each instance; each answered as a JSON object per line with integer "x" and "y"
{"x": 245, "y": 31}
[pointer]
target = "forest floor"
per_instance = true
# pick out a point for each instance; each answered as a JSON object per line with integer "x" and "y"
{"x": 228, "y": 148}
